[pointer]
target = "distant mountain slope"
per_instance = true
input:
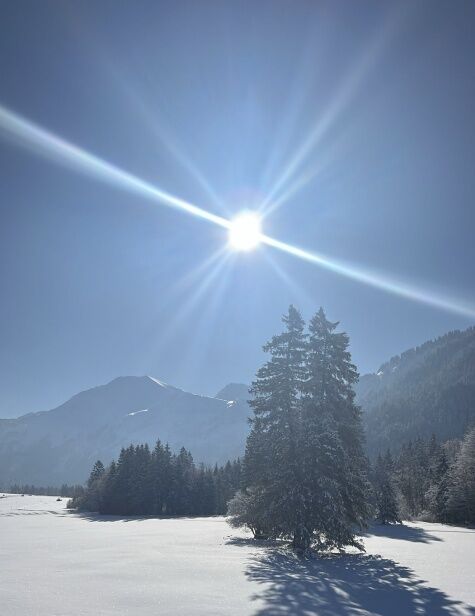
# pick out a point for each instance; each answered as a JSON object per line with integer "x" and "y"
{"x": 234, "y": 391}
{"x": 429, "y": 389}
{"x": 61, "y": 445}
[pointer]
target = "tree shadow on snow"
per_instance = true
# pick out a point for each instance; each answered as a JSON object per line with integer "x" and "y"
{"x": 91, "y": 516}
{"x": 23, "y": 512}
{"x": 256, "y": 543}
{"x": 343, "y": 585}
{"x": 401, "y": 532}
{"x": 97, "y": 517}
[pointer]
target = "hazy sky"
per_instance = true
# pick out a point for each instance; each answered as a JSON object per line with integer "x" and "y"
{"x": 212, "y": 101}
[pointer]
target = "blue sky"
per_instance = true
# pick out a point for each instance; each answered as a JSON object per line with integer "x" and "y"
{"x": 212, "y": 101}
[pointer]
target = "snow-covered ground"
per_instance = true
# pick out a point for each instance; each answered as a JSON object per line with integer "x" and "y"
{"x": 55, "y": 563}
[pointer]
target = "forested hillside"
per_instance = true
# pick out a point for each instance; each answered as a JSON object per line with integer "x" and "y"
{"x": 427, "y": 390}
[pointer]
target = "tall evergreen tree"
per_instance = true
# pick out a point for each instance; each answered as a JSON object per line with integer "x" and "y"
{"x": 94, "y": 486}
{"x": 386, "y": 501}
{"x": 97, "y": 473}
{"x": 334, "y": 463}
{"x": 168, "y": 480}
{"x": 183, "y": 480}
{"x": 110, "y": 494}
{"x": 438, "y": 493}
{"x": 272, "y": 460}
{"x": 304, "y": 468}
{"x": 461, "y": 496}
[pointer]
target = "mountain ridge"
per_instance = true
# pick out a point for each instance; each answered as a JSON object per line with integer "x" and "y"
{"x": 61, "y": 444}
{"x": 424, "y": 390}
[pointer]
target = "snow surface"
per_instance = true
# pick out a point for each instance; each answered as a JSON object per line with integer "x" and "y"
{"x": 161, "y": 383}
{"x": 135, "y": 413}
{"x": 57, "y": 563}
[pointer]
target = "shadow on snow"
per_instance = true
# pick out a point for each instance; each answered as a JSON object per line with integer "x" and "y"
{"x": 343, "y": 585}
{"x": 401, "y": 532}
{"x": 392, "y": 531}
{"x": 99, "y": 517}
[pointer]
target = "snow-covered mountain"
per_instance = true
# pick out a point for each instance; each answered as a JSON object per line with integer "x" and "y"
{"x": 60, "y": 445}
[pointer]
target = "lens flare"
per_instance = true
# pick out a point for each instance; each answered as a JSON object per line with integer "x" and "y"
{"x": 374, "y": 280}
{"x": 244, "y": 231}
{"x": 42, "y": 142}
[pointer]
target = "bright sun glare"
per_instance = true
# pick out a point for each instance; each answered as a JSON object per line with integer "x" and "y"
{"x": 245, "y": 231}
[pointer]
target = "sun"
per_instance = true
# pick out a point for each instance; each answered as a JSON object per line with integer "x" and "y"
{"x": 245, "y": 231}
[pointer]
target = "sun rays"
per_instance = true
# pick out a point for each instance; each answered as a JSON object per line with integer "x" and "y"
{"x": 44, "y": 143}
{"x": 245, "y": 233}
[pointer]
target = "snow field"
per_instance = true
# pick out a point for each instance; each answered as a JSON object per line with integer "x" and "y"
{"x": 57, "y": 563}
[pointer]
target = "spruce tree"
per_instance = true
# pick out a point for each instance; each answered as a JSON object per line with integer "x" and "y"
{"x": 387, "y": 504}
{"x": 167, "y": 481}
{"x": 109, "y": 493}
{"x": 334, "y": 464}
{"x": 387, "y": 510}
{"x": 438, "y": 493}
{"x": 304, "y": 470}
{"x": 272, "y": 459}
{"x": 184, "y": 470}
{"x": 97, "y": 473}
{"x": 461, "y": 496}
{"x": 94, "y": 486}
{"x": 421, "y": 474}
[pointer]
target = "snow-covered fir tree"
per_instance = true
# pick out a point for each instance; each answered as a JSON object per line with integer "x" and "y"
{"x": 272, "y": 464}
{"x": 438, "y": 493}
{"x": 304, "y": 468}
{"x": 387, "y": 510}
{"x": 334, "y": 464}
{"x": 461, "y": 493}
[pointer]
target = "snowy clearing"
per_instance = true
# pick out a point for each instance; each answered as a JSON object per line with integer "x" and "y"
{"x": 56, "y": 563}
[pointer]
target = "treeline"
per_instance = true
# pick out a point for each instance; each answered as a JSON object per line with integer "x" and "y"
{"x": 428, "y": 480}
{"x": 67, "y": 491}
{"x": 158, "y": 483}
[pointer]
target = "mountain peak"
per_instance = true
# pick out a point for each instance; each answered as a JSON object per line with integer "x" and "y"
{"x": 161, "y": 383}
{"x": 233, "y": 391}
{"x": 60, "y": 445}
